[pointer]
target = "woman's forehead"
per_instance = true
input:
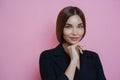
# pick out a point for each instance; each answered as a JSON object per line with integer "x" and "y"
{"x": 75, "y": 19}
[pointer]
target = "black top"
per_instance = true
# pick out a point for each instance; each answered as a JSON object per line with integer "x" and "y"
{"x": 54, "y": 62}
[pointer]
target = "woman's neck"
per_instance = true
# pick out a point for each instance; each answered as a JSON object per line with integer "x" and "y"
{"x": 65, "y": 45}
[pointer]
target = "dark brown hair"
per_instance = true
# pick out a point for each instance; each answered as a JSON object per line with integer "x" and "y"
{"x": 62, "y": 18}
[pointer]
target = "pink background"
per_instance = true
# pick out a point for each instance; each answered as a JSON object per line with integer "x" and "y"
{"x": 27, "y": 27}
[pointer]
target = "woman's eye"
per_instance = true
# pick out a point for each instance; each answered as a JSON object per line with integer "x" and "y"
{"x": 67, "y": 26}
{"x": 80, "y": 26}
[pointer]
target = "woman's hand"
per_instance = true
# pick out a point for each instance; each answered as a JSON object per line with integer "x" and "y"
{"x": 74, "y": 51}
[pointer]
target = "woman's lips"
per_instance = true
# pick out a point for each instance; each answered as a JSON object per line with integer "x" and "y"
{"x": 74, "y": 38}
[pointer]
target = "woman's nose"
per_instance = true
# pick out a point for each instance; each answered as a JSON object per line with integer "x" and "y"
{"x": 74, "y": 31}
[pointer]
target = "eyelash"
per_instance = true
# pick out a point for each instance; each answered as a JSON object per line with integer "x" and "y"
{"x": 67, "y": 26}
{"x": 80, "y": 26}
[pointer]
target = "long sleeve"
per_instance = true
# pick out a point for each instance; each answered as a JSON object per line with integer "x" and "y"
{"x": 99, "y": 69}
{"x": 47, "y": 68}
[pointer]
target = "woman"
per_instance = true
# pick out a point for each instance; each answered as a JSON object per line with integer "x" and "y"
{"x": 68, "y": 61}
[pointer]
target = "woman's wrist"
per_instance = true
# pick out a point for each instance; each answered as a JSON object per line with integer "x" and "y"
{"x": 74, "y": 61}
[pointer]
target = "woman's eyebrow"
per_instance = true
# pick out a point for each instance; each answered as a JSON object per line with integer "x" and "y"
{"x": 68, "y": 24}
{"x": 80, "y": 24}
{"x": 71, "y": 24}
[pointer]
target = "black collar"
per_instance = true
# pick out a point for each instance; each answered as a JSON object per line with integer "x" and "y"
{"x": 59, "y": 50}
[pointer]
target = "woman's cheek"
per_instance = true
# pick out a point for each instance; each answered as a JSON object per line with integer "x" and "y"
{"x": 81, "y": 32}
{"x": 67, "y": 32}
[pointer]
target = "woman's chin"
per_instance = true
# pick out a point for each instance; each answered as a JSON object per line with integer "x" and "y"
{"x": 73, "y": 42}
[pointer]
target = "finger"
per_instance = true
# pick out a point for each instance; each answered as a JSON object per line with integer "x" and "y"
{"x": 81, "y": 50}
{"x": 81, "y": 47}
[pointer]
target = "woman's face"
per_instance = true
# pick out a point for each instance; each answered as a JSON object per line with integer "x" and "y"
{"x": 73, "y": 30}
